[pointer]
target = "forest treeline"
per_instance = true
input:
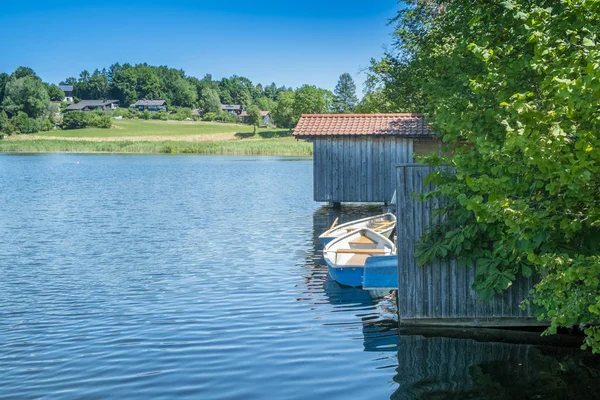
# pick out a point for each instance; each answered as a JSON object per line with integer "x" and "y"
{"x": 23, "y": 92}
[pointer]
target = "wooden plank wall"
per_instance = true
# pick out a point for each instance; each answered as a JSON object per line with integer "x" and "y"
{"x": 441, "y": 293}
{"x": 358, "y": 168}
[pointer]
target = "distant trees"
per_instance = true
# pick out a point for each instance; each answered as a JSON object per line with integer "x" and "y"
{"x": 283, "y": 113}
{"x": 54, "y": 92}
{"x": 254, "y": 117}
{"x": 83, "y": 119}
{"x": 345, "y": 94}
{"x": 209, "y": 101}
{"x": 23, "y": 91}
{"x": 27, "y": 94}
{"x": 3, "y": 81}
{"x": 311, "y": 100}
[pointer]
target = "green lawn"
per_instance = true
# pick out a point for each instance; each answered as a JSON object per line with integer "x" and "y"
{"x": 172, "y": 137}
{"x": 136, "y": 127}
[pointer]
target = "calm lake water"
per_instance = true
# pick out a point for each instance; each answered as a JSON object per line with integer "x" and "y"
{"x": 200, "y": 277}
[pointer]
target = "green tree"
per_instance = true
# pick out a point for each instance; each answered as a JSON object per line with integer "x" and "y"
{"x": 3, "y": 120}
{"x": 54, "y": 92}
{"x": 309, "y": 100}
{"x": 254, "y": 117}
{"x": 23, "y": 72}
{"x": 26, "y": 94}
{"x": 210, "y": 102}
{"x": 124, "y": 85}
{"x": 508, "y": 85}
{"x": 283, "y": 114}
{"x": 3, "y": 81}
{"x": 265, "y": 103}
{"x": 24, "y": 124}
{"x": 374, "y": 102}
{"x": 184, "y": 94}
{"x": 345, "y": 94}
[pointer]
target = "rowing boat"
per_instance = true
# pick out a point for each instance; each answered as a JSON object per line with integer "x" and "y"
{"x": 383, "y": 224}
{"x": 345, "y": 256}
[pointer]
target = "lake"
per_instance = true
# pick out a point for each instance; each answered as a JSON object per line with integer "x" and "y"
{"x": 200, "y": 277}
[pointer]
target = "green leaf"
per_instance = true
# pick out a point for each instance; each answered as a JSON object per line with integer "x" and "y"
{"x": 587, "y": 42}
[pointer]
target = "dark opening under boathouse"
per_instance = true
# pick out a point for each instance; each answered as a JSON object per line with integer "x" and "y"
{"x": 355, "y": 155}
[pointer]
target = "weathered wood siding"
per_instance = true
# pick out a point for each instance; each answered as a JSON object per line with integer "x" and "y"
{"x": 358, "y": 168}
{"x": 441, "y": 293}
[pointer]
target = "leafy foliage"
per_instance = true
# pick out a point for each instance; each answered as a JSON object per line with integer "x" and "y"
{"x": 254, "y": 117}
{"x": 83, "y": 119}
{"x": 27, "y": 94}
{"x": 55, "y": 93}
{"x": 283, "y": 114}
{"x": 512, "y": 88}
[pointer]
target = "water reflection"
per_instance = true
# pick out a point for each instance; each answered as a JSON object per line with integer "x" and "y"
{"x": 451, "y": 364}
{"x": 462, "y": 368}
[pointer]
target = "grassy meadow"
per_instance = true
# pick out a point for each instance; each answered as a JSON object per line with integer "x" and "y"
{"x": 165, "y": 137}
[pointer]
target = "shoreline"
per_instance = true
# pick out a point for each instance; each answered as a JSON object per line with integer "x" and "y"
{"x": 256, "y": 147}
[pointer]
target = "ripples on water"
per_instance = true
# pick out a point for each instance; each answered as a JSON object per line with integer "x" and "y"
{"x": 201, "y": 277}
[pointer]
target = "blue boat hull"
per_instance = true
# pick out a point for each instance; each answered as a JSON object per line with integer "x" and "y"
{"x": 348, "y": 276}
{"x": 381, "y": 272}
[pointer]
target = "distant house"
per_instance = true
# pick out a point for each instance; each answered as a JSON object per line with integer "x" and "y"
{"x": 196, "y": 112}
{"x": 266, "y": 117}
{"x": 232, "y": 108}
{"x": 150, "y": 105}
{"x": 68, "y": 90}
{"x": 89, "y": 105}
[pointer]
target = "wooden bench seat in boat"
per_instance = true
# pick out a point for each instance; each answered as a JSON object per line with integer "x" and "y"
{"x": 363, "y": 240}
{"x": 361, "y": 251}
{"x": 358, "y": 259}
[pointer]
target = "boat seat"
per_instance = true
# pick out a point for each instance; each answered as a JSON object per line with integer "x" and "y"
{"x": 357, "y": 259}
{"x": 361, "y": 251}
{"x": 363, "y": 240}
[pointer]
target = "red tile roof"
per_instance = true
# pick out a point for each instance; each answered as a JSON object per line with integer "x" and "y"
{"x": 406, "y": 125}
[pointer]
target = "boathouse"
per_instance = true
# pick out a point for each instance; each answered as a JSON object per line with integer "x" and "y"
{"x": 355, "y": 155}
{"x": 441, "y": 293}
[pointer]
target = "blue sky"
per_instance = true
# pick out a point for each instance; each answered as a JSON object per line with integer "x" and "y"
{"x": 288, "y": 42}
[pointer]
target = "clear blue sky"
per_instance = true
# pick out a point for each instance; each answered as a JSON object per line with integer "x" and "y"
{"x": 288, "y": 42}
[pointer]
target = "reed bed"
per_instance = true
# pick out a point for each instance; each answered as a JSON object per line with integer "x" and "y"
{"x": 282, "y": 147}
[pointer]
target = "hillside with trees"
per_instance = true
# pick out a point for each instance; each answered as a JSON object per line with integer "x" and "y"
{"x": 24, "y": 95}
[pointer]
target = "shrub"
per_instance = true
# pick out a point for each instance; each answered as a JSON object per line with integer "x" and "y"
{"x": 82, "y": 119}
{"x": 161, "y": 115}
{"x": 102, "y": 121}
{"x": 209, "y": 116}
{"x": 3, "y": 120}
{"x": 75, "y": 120}
{"x": 24, "y": 124}
{"x": 145, "y": 115}
{"x": 45, "y": 124}
{"x": 124, "y": 112}
{"x": 227, "y": 117}
{"x": 9, "y": 128}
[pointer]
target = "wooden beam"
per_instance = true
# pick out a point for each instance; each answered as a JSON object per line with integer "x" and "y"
{"x": 360, "y": 251}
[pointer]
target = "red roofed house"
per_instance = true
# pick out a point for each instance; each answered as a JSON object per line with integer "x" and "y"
{"x": 355, "y": 155}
